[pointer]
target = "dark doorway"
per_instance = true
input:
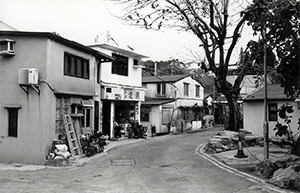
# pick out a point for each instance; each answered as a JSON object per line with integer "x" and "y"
{"x": 96, "y": 127}
{"x": 106, "y": 117}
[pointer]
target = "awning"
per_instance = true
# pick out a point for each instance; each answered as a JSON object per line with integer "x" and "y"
{"x": 87, "y": 103}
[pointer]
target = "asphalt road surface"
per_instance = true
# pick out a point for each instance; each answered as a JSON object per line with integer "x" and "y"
{"x": 165, "y": 164}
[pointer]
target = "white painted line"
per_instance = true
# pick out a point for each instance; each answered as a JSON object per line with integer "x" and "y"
{"x": 199, "y": 151}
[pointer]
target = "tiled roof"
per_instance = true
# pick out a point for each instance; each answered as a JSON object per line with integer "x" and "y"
{"x": 274, "y": 92}
{"x": 167, "y": 78}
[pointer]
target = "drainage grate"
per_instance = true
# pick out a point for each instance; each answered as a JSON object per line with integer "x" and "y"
{"x": 123, "y": 162}
{"x": 176, "y": 179}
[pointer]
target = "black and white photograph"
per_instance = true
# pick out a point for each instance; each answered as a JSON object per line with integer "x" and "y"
{"x": 149, "y": 96}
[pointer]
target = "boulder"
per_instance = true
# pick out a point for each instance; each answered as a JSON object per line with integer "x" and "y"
{"x": 219, "y": 144}
{"x": 286, "y": 178}
{"x": 230, "y": 134}
{"x": 283, "y": 172}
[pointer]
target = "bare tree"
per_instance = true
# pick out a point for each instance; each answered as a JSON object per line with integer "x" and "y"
{"x": 217, "y": 24}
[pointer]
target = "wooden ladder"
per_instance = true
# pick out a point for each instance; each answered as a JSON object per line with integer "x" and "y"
{"x": 74, "y": 144}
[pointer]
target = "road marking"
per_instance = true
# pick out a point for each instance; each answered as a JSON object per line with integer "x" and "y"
{"x": 199, "y": 151}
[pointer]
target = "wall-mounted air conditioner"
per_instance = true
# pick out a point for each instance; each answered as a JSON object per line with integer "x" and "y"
{"x": 28, "y": 76}
{"x": 7, "y": 47}
{"x": 111, "y": 93}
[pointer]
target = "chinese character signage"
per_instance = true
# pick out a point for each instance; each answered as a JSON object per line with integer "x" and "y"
{"x": 131, "y": 94}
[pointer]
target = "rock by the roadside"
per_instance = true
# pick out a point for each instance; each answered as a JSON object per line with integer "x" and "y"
{"x": 283, "y": 172}
{"x": 222, "y": 141}
{"x": 265, "y": 168}
{"x": 228, "y": 140}
{"x": 214, "y": 145}
{"x": 251, "y": 140}
{"x": 286, "y": 178}
{"x": 230, "y": 134}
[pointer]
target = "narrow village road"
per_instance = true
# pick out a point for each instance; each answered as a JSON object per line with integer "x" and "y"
{"x": 159, "y": 165}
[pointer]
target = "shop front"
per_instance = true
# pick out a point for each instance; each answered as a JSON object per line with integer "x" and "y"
{"x": 120, "y": 109}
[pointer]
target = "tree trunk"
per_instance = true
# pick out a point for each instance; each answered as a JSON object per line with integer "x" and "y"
{"x": 233, "y": 121}
{"x": 296, "y": 147}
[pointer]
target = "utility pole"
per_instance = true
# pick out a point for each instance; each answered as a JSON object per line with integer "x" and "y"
{"x": 266, "y": 125}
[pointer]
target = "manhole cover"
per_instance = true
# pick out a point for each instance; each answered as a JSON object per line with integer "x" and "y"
{"x": 122, "y": 162}
{"x": 176, "y": 179}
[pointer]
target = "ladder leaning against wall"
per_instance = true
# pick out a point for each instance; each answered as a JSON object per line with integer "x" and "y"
{"x": 73, "y": 141}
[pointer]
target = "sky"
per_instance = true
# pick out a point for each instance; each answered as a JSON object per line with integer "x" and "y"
{"x": 83, "y": 20}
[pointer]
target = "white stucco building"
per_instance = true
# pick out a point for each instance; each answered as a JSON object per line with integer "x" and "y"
{"x": 121, "y": 87}
{"x": 254, "y": 110}
{"x": 166, "y": 99}
{"x": 43, "y": 77}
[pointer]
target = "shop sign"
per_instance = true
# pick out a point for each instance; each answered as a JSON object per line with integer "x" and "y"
{"x": 131, "y": 94}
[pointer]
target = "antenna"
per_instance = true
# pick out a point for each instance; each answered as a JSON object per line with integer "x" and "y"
{"x": 110, "y": 38}
{"x": 97, "y": 39}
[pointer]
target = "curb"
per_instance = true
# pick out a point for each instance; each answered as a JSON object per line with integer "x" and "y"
{"x": 200, "y": 151}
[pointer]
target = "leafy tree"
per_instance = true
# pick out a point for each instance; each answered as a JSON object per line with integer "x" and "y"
{"x": 170, "y": 67}
{"x": 216, "y": 24}
{"x": 285, "y": 129}
{"x": 280, "y": 19}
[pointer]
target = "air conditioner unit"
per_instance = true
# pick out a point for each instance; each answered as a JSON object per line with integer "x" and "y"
{"x": 111, "y": 93}
{"x": 7, "y": 47}
{"x": 28, "y": 76}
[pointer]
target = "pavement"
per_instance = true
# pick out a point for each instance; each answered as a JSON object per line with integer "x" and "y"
{"x": 76, "y": 161}
{"x": 254, "y": 155}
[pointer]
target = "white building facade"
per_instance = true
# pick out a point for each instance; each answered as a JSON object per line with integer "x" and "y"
{"x": 121, "y": 88}
{"x": 168, "y": 99}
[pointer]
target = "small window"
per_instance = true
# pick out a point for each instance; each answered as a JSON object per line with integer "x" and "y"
{"x": 145, "y": 113}
{"x": 186, "y": 89}
{"x": 136, "y": 62}
{"x": 12, "y": 122}
{"x": 120, "y": 65}
{"x": 197, "y": 91}
{"x": 86, "y": 118}
{"x": 98, "y": 71}
{"x": 108, "y": 90}
{"x": 76, "y": 66}
{"x": 161, "y": 89}
{"x": 272, "y": 112}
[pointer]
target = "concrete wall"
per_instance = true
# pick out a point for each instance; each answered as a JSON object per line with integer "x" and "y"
{"x": 36, "y": 116}
{"x": 134, "y": 77}
{"x": 176, "y": 90}
{"x": 254, "y": 117}
{"x": 155, "y": 118}
{"x": 152, "y": 90}
{"x": 55, "y": 70}
{"x": 192, "y": 89}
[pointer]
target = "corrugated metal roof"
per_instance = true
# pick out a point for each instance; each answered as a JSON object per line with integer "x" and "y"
{"x": 166, "y": 78}
{"x": 274, "y": 92}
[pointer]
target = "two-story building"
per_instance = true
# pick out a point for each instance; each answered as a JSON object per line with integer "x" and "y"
{"x": 44, "y": 77}
{"x": 121, "y": 88}
{"x": 169, "y": 100}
